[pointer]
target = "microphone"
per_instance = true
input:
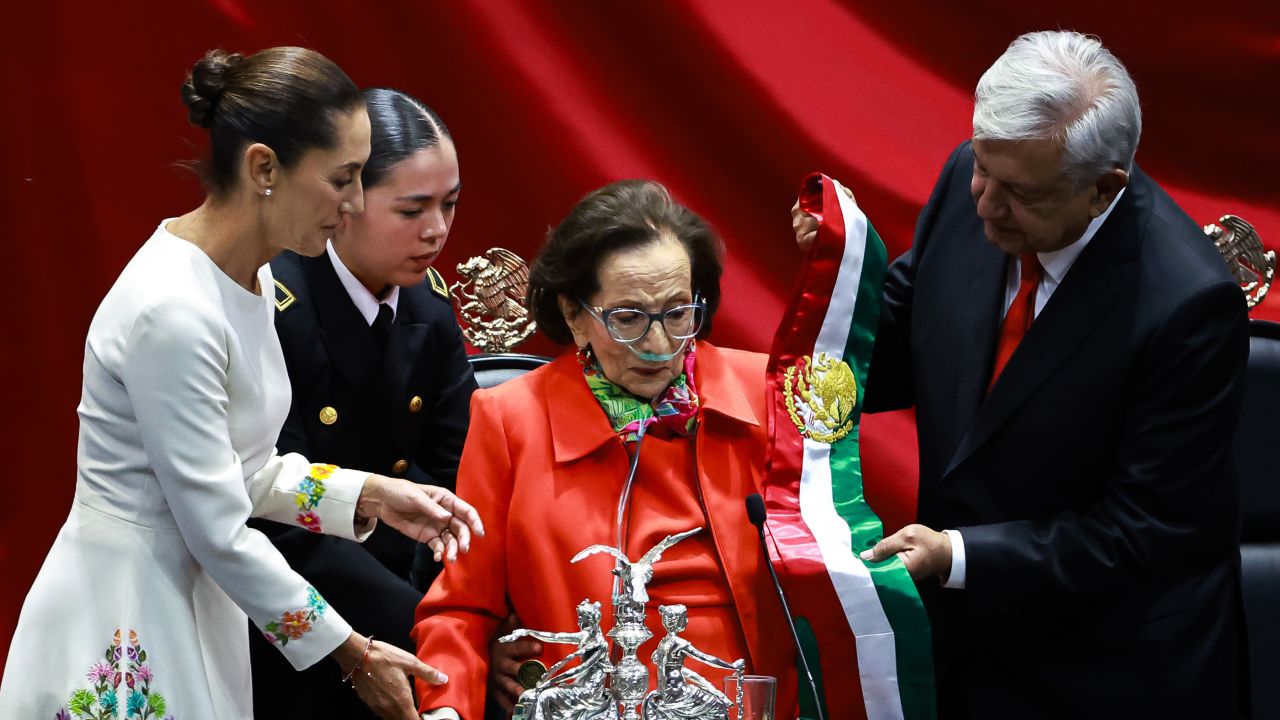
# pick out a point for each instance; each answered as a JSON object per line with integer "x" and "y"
{"x": 756, "y": 514}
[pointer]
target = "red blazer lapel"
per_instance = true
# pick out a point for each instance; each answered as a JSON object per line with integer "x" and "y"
{"x": 730, "y": 451}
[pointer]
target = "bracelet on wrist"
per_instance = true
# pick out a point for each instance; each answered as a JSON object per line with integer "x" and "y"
{"x": 364, "y": 657}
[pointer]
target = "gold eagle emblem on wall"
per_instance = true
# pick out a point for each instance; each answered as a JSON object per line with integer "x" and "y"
{"x": 1251, "y": 264}
{"x": 490, "y": 300}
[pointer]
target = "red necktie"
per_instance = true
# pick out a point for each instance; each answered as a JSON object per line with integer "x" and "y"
{"x": 1021, "y": 313}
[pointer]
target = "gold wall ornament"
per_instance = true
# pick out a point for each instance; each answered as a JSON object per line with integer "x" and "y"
{"x": 1251, "y": 264}
{"x": 821, "y": 395}
{"x": 490, "y": 299}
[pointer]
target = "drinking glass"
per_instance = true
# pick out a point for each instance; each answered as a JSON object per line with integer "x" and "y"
{"x": 757, "y": 696}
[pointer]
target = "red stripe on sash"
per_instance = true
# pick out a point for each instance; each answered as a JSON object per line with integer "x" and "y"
{"x": 793, "y": 549}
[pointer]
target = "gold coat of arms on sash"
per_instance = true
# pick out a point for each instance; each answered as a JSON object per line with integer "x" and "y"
{"x": 821, "y": 394}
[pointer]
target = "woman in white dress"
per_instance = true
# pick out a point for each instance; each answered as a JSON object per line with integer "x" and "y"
{"x": 138, "y": 611}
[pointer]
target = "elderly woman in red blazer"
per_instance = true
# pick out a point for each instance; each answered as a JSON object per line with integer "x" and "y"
{"x": 632, "y": 279}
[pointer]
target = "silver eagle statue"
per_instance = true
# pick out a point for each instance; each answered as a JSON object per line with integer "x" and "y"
{"x": 598, "y": 689}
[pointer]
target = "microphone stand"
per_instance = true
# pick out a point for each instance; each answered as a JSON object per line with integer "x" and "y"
{"x": 756, "y": 514}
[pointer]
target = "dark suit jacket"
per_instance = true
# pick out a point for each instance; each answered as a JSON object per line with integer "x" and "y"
{"x": 332, "y": 359}
{"x": 1094, "y": 487}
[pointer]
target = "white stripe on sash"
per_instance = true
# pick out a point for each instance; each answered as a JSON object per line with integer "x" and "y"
{"x": 877, "y": 652}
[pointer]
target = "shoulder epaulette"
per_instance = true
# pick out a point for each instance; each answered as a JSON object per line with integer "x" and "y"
{"x": 284, "y": 298}
{"x": 438, "y": 285}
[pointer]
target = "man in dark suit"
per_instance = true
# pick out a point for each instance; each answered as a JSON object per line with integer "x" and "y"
{"x": 1074, "y": 349}
{"x": 389, "y": 395}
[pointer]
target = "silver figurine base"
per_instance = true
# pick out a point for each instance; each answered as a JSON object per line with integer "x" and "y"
{"x": 586, "y": 685}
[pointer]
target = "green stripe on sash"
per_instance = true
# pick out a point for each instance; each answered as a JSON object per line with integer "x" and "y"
{"x": 894, "y": 587}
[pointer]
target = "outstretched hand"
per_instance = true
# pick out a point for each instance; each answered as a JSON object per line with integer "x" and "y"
{"x": 426, "y": 513}
{"x": 382, "y": 679}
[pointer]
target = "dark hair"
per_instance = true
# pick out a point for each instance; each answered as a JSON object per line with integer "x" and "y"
{"x": 400, "y": 125}
{"x": 283, "y": 97}
{"x": 622, "y": 215}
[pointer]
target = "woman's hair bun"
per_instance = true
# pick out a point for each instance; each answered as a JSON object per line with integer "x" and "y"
{"x": 287, "y": 98}
{"x": 205, "y": 85}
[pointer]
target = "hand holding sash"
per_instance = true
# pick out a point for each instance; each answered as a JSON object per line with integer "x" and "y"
{"x": 925, "y": 552}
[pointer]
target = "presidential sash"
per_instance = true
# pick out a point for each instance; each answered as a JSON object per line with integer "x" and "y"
{"x": 863, "y": 627}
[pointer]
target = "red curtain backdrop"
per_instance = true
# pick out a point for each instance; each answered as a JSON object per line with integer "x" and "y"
{"x": 728, "y": 102}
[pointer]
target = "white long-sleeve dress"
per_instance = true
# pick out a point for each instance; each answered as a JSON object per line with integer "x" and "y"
{"x": 139, "y": 609}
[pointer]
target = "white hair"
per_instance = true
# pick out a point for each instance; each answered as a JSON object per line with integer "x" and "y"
{"x": 1065, "y": 86}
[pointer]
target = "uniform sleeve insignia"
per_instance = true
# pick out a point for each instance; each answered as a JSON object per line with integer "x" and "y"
{"x": 438, "y": 285}
{"x": 284, "y": 298}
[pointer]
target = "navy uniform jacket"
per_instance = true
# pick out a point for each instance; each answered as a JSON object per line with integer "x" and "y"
{"x": 405, "y": 418}
{"x": 1094, "y": 486}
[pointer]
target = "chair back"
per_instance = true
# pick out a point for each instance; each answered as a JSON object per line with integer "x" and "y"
{"x": 496, "y": 368}
{"x": 1259, "y": 468}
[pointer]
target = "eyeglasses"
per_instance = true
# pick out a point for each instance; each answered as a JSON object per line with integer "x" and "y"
{"x": 627, "y": 325}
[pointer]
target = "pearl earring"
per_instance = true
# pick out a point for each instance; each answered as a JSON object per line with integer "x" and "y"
{"x": 268, "y": 192}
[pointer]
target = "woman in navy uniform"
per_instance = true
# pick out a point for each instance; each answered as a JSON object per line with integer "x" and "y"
{"x": 380, "y": 380}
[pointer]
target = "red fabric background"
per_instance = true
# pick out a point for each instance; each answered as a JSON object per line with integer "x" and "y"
{"x": 730, "y": 103}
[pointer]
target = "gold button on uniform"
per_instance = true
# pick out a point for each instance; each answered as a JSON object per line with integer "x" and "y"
{"x": 415, "y": 404}
{"x": 328, "y": 415}
{"x": 400, "y": 467}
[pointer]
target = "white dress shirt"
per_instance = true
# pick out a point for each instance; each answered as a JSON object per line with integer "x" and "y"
{"x": 1055, "y": 264}
{"x": 365, "y": 301}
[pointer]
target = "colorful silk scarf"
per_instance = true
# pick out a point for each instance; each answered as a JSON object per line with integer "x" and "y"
{"x": 676, "y": 408}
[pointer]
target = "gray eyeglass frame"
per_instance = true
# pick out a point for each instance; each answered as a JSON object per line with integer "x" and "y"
{"x": 602, "y": 316}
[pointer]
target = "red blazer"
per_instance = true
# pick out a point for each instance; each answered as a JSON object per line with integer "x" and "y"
{"x": 544, "y": 469}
